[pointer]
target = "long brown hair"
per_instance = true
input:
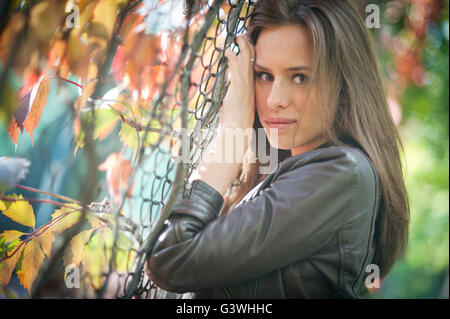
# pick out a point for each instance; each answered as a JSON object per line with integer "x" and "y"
{"x": 346, "y": 68}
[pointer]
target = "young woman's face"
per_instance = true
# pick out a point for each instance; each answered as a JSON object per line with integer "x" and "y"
{"x": 282, "y": 72}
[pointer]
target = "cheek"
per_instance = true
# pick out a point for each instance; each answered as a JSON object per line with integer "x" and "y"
{"x": 307, "y": 101}
{"x": 308, "y": 110}
{"x": 261, "y": 94}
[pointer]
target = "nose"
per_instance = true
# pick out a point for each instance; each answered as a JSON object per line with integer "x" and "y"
{"x": 279, "y": 96}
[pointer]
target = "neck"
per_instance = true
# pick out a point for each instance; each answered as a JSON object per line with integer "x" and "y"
{"x": 307, "y": 147}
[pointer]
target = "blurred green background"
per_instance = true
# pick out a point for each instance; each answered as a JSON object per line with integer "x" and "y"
{"x": 412, "y": 45}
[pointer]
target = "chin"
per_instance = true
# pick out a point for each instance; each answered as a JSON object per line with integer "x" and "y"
{"x": 280, "y": 145}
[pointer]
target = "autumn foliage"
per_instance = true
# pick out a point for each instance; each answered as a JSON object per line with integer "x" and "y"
{"x": 131, "y": 79}
{"x": 128, "y": 78}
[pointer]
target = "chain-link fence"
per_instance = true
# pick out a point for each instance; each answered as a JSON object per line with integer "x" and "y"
{"x": 197, "y": 96}
{"x": 131, "y": 83}
{"x": 168, "y": 114}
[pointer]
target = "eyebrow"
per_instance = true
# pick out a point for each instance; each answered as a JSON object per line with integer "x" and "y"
{"x": 294, "y": 68}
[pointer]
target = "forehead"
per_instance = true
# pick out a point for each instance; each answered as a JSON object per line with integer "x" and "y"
{"x": 284, "y": 46}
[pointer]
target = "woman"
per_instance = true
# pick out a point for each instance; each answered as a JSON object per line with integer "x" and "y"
{"x": 335, "y": 205}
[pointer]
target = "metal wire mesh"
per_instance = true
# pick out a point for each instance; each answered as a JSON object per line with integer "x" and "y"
{"x": 191, "y": 104}
{"x": 200, "y": 99}
{"x": 167, "y": 104}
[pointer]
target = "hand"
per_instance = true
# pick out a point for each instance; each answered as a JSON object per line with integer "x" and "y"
{"x": 238, "y": 108}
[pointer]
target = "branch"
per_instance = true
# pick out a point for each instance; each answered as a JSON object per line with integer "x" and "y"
{"x": 36, "y": 200}
{"x": 35, "y": 190}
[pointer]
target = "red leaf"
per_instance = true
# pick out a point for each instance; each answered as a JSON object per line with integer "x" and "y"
{"x": 38, "y": 99}
{"x": 57, "y": 59}
{"x": 118, "y": 64}
{"x": 13, "y": 131}
{"x": 118, "y": 171}
{"x": 22, "y": 111}
{"x": 24, "y": 95}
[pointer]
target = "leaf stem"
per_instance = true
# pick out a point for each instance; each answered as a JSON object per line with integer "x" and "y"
{"x": 35, "y": 190}
{"x": 36, "y": 200}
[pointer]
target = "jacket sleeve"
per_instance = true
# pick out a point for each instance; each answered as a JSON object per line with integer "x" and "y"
{"x": 288, "y": 221}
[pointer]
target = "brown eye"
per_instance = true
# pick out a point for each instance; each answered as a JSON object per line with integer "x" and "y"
{"x": 301, "y": 78}
{"x": 264, "y": 76}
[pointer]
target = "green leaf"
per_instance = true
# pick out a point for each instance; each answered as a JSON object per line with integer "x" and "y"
{"x": 128, "y": 135}
{"x": 105, "y": 121}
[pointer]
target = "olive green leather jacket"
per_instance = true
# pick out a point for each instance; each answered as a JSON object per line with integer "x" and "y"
{"x": 306, "y": 231}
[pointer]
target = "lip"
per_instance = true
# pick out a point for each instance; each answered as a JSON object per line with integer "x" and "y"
{"x": 279, "y": 122}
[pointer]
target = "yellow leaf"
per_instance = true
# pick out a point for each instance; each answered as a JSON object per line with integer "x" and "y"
{"x": 95, "y": 261}
{"x": 46, "y": 240}
{"x": 33, "y": 258}
{"x": 125, "y": 252}
{"x": 19, "y": 211}
{"x": 7, "y": 266}
{"x": 72, "y": 216}
{"x": 128, "y": 134}
{"x": 11, "y": 235}
{"x": 108, "y": 239}
{"x": 78, "y": 244}
{"x": 104, "y": 123}
{"x": 124, "y": 260}
{"x": 86, "y": 10}
{"x": 105, "y": 14}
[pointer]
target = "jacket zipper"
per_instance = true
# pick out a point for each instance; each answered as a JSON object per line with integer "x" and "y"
{"x": 187, "y": 190}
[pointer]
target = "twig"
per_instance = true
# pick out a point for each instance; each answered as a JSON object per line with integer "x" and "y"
{"x": 35, "y": 190}
{"x": 36, "y": 200}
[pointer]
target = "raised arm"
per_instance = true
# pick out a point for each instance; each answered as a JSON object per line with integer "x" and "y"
{"x": 288, "y": 221}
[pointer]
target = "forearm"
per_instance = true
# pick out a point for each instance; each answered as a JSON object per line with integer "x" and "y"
{"x": 222, "y": 159}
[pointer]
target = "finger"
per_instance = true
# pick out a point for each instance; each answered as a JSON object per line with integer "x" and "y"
{"x": 244, "y": 43}
{"x": 232, "y": 59}
{"x": 229, "y": 54}
{"x": 228, "y": 81}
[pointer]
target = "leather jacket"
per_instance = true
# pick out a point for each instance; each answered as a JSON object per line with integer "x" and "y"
{"x": 306, "y": 231}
